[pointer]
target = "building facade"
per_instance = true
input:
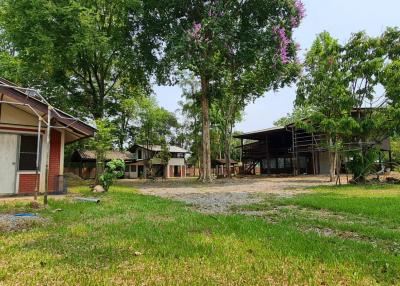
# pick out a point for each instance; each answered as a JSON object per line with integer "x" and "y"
{"x": 146, "y": 163}
{"x": 288, "y": 150}
{"x": 23, "y": 142}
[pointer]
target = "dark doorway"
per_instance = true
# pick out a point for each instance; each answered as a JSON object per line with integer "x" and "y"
{"x": 140, "y": 171}
{"x": 177, "y": 171}
{"x": 158, "y": 170}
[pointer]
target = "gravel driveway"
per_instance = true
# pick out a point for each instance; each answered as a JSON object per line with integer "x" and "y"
{"x": 221, "y": 195}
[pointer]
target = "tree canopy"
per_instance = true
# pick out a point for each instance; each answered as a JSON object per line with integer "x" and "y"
{"x": 77, "y": 52}
{"x": 250, "y": 41}
{"x": 340, "y": 88}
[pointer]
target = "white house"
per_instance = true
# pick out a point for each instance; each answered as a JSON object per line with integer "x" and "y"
{"x": 142, "y": 154}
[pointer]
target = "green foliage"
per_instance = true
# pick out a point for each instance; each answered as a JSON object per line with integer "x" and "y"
{"x": 164, "y": 155}
{"x": 77, "y": 52}
{"x": 154, "y": 123}
{"x": 339, "y": 81}
{"x": 299, "y": 114}
{"x": 322, "y": 88}
{"x": 395, "y": 148}
{"x": 362, "y": 164}
{"x": 125, "y": 113}
{"x": 114, "y": 169}
{"x": 103, "y": 140}
{"x": 242, "y": 48}
{"x": 101, "y": 143}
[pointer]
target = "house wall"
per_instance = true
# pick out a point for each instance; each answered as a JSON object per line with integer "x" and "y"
{"x": 134, "y": 175}
{"x": 12, "y": 115}
{"x": 55, "y": 158}
{"x": 27, "y": 183}
{"x": 16, "y": 121}
{"x": 170, "y": 168}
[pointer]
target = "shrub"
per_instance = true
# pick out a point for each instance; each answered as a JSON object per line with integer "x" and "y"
{"x": 114, "y": 169}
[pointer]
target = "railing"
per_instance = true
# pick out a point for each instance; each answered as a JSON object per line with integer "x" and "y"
{"x": 255, "y": 150}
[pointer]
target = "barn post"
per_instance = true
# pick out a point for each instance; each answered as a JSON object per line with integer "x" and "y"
{"x": 241, "y": 156}
{"x": 294, "y": 150}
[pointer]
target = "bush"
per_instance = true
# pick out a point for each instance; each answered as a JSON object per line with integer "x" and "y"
{"x": 114, "y": 169}
{"x": 362, "y": 164}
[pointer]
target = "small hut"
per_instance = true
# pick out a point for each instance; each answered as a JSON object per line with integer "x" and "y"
{"x": 219, "y": 167}
{"x": 83, "y": 162}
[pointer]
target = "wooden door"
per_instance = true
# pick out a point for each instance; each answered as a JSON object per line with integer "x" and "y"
{"x": 8, "y": 163}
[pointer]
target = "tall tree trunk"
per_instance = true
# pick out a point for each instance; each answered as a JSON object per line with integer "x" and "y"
{"x": 200, "y": 162}
{"x": 228, "y": 138}
{"x": 338, "y": 165}
{"x": 332, "y": 161}
{"x": 206, "y": 163}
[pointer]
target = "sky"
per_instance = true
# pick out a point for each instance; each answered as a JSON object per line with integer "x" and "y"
{"x": 341, "y": 18}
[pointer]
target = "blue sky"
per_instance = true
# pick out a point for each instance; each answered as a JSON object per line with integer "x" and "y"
{"x": 340, "y": 18}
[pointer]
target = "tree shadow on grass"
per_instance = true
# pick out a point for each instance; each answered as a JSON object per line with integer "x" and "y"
{"x": 109, "y": 234}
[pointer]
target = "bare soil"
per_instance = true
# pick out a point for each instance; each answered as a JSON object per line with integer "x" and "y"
{"x": 221, "y": 195}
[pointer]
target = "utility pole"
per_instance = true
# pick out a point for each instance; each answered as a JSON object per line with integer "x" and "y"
{"x": 46, "y": 190}
{"x": 38, "y": 159}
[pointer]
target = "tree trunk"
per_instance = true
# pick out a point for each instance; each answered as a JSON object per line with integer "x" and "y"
{"x": 228, "y": 138}
{"x": 331, "y": 161}
{"x": 206, "y": 145}
{"x": 338, "y": 165}
{"x": 200, "y": 164}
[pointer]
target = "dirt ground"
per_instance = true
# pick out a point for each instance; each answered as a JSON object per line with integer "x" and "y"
{"x": 222, "y": 195}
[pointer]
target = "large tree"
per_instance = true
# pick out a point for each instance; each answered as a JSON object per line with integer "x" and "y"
{"x": 78, "y": 50}
{"x": 154, "y": 124}
{"x": 323, "y": 90}
{"x": 339, "y": 85}
{"x": 250, "y": 39}
{"x": 227, "y": 109}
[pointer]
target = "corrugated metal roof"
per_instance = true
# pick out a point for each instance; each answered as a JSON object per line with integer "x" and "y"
{"x": 259, "y": 132}
{"x": 223, "y": 161}
{"x": 110, "y": 155}
{"x": 31, "y": 98}
{"x": 157, "y": 148}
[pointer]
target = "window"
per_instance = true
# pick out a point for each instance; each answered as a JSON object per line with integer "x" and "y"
{"x": 272, "y": 163}
{"x": 180, "y": 155}
{"x": 281, "y": 163}
{"x": 133, "y": 168}
{"x": 288, "y": 163}
{"x": 126, "y": 168}
{"x": 27, "y": 153}
{"x": 139, "y": 154}
{"x": 265, "y": 164}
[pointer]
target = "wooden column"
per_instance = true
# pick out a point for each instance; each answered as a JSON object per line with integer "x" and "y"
{"x": 267, "y": 157}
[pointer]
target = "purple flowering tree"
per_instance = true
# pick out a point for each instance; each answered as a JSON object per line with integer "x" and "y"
{"x": 245, "y": 47}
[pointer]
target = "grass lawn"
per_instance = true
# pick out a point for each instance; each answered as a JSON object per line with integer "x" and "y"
{"x": 332, "y": 236}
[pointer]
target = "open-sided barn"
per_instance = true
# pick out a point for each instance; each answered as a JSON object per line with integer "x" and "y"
{"x": 288, "y": 150}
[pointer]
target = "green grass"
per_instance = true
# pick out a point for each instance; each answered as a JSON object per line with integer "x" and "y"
{"x": 95, "y": 244}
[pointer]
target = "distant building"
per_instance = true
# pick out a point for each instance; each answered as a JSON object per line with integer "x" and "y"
{"x": 289, "y": 150}
{"x": 144, "y": 156}
{"x": 83, "y": 162}
{"x": 138, "y": 160}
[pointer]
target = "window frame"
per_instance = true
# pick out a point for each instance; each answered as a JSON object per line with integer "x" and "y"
{"x": 21, "y": 136}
